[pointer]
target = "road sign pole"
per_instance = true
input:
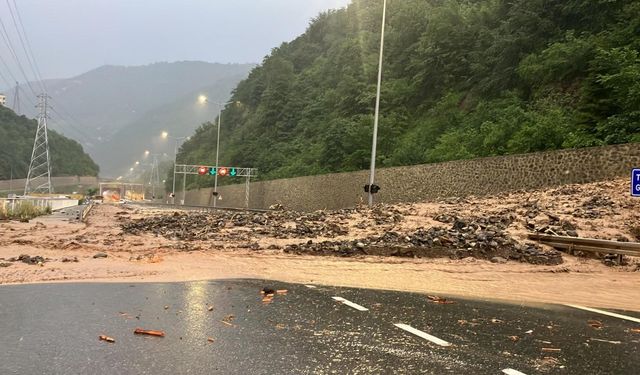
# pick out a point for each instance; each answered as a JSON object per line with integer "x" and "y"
{"x": 215, "y": 178}
{"x": 184, "y": 187}
{"x": 246, "y": 191}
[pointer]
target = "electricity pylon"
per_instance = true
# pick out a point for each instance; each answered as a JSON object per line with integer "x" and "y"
{"x": 16, "y": 100}
{"x": 39, "y": 176}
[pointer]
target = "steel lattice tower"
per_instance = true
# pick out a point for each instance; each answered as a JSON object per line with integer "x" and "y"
{"x": 16, "y": 100}
{"x": 39, "y": 176}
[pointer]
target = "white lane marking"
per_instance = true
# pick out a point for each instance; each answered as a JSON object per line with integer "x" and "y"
{"x": 310, "y": 286}
{"x": 620, "y": 316}
{"x": 350, "y": 304}
{"x": 510, "y": 371}
{"x": 424, "y": 335}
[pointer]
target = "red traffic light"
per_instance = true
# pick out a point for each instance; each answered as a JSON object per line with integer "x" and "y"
{"x": 223, "y": 171}
{"x": 203, "y": 170}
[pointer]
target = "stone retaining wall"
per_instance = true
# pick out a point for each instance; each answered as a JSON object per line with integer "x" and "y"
{"x": 483, "y": 176}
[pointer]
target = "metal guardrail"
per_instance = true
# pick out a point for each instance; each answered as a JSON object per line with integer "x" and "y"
{"x": 588, "y": 244}
{"x": 198, "y": 208}
{"x": 86, "y": 212}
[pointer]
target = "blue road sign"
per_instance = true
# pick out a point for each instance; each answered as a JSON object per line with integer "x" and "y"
{"x": 635, "y": 182}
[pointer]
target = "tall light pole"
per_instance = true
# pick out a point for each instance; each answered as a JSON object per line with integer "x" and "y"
{"x": 175, "y": 161}
{"x": 203, "y": 99}
{"x": 165, "y": 135}
{"x": 372, "y": 173}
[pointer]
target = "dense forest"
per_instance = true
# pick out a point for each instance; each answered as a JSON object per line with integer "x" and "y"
{"x": 461, "y": 79}
{"x": 16, "y": 142}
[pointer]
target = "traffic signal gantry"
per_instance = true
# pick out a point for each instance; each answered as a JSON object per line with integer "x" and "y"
{"x": 207, "y": 170}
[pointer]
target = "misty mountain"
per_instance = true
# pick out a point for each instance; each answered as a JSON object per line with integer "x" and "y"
{"x": 100, "y": 107}
{"x": 179, "y": 119}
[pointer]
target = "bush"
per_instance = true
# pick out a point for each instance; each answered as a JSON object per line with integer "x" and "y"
{"x": 23, "y": 211}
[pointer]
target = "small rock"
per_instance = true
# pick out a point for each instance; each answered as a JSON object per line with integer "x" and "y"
{"x": 499, "y": 260}
{"x": 100, "y": 255}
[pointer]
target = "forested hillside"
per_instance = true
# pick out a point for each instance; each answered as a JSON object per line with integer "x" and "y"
{"x": 16, "y": 142}
{"x": 462, "y": 79}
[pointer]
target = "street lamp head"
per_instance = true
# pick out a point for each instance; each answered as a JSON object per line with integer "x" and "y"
{"x": 131, "y": 169}
{"x": 165, "y": 135}
{"x": 137, "y": 162}
{"x": 202, "y": 99}
{"x": 146, "y": 152}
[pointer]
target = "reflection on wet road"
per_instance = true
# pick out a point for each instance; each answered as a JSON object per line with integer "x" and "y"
{"x": 230, "y": 327}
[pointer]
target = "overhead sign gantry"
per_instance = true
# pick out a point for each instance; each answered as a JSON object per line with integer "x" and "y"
{"x": 206, "y": 170}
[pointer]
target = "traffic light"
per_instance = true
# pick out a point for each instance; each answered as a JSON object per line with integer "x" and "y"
{"x": 233, "y": 172}
{"x": 223, "y": 171}
{"x": 212, "y": 171}
{"x": 203, "y": 170}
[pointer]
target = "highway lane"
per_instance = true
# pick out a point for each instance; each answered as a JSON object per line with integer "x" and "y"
{"x": 54, "y": 329}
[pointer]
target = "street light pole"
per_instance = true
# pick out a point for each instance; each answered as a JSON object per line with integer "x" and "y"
{"x": 215, "y": 178}
{"x": 377, "y": 112}
{"x": 203, "y": 99}
{"x": 175, "y": 160}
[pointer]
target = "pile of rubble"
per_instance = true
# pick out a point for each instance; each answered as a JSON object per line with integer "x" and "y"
{"x": 595, "y": 207}
{"x": 275, "y": 224}
{"x": 477, "y": 238}
{"x": 32, "y": 260}
{"x": 178, "y": 226}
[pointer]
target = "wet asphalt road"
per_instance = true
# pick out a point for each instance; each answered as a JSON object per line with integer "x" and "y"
{"x": 73, "y": 213}
{"x": 54, "y": 329}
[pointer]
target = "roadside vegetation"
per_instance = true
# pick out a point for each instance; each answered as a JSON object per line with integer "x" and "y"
{"x": 462, "y": 79}
{"x": 23, "y": 211}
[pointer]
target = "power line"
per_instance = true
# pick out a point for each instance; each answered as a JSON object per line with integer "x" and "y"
{"x": 77, "y": 130}
{"x": 30, "y": 53}
{"x": 6, "y": 66}
{"x": 6, "y": 81}
{"x": 24, "y": 47}
{"x": 7, "y": 41}
{"x": 67, "y": 118}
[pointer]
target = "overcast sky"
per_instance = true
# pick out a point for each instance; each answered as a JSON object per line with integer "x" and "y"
{"x": 70, "y": 37}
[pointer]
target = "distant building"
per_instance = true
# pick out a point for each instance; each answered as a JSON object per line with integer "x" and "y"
{"x": 3, "y": 100}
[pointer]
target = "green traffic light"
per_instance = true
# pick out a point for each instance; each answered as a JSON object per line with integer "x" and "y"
{"x": 212, "y": 171}
{"x": 233, "y": 172}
